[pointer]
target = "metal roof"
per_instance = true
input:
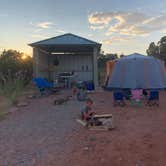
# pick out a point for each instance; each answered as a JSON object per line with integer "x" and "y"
{"x": 66, "y": 39}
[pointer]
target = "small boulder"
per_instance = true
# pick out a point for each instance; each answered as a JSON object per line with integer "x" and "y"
{"x": 22, "y": 104}
{"x": 86, "y": 148}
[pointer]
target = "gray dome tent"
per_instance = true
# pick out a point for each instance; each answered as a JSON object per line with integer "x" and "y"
{"x": 137, "y": 71}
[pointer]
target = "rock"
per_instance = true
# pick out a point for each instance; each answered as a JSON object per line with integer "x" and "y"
{"x": 22, "y": 104}
{"x": 31, "y": 96}
{"x": 86, "y": 148}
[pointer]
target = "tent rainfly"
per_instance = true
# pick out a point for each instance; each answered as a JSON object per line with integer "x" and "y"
{"x": 137, "y": 71}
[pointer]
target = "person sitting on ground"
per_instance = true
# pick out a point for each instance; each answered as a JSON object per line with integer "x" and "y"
{"x": 86, "y": 112}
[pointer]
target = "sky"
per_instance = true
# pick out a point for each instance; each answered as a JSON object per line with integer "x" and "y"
{"x": 122, "y": 26}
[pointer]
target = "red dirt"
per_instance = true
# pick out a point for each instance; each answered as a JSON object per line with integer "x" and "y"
{"x": 139, "y": 138}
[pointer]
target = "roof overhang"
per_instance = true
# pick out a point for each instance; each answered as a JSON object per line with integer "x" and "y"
{"x": 66, "y": 48}
{"x": 66, "y": 43}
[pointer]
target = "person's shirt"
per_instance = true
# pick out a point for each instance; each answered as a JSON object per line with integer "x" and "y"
{"x": 85, "y": 112}
{"x": 86, "y": 109}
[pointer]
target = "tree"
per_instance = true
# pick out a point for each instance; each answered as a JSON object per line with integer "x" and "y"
{"x": 103, "y": 58}
{"x": 159, "y": 50}
{"x": 162, "y": 48}
{"x": 122, "y": 55}
{"x": 12, "y": 65}
{"x": 153, "y": 50}
{"x": 111, "y": 56}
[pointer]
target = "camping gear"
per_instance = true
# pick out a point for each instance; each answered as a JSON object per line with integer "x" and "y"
{"x": 127, "y": 94}
{"x": 153, "y": 98}
{"x": 118, "y": 98}
{"x": 137, "y": 71}
{"x": 66, "y": 78}
{"x": 80, "y": 85}
{"x": 136, "y": 96}
{"x": 101, "y": 122}
{"x": 43, "y": 85}
{"x": 89, "y": 85}
{"x": 109, "y": 68}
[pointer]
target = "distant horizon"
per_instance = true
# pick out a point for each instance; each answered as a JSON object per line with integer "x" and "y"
{"x": 30, "y": 54}
{"x": 122, "y": 26}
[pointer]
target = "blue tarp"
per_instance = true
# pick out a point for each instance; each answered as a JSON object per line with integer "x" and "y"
{"x": 137, "y": 71}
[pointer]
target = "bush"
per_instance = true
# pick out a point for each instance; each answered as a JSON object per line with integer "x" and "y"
{"x": 15, "y": 73}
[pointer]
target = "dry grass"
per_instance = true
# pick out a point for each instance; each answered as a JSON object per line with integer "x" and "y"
{"x": 4, "y": 106}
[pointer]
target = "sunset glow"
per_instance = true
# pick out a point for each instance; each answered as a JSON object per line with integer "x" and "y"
{"x": 122, "y": 26}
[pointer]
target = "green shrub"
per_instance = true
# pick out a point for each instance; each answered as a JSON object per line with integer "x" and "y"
{"x": 15, "y": 74}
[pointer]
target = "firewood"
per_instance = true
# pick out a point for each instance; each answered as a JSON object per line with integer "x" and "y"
{"x": 103, "y": 116}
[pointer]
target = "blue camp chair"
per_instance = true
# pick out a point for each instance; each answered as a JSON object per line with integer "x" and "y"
{"x": 118, "y": 98}
{"x": 153, "y": 98}
{"x": 43, "y": 85}
{"x": 89, "y": 85}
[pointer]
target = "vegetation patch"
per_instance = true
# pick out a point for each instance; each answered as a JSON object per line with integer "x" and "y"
{"x": 15, "y": 74}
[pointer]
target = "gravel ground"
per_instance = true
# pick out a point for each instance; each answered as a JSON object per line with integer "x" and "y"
{"x": 39, "y": 135}
{"x": 43, "y": 134}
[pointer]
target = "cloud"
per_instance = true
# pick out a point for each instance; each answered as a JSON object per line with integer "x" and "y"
{"x": 89, "y": 35}
{"x": 97, "y": 27}
{"x": 38, "y": 30}
{"x": 127, "y": 23}
{"x": 60, "y": 31}
{"x": 116, "y": 39}
{"x": 163, "y": 30}
{"x": 39, "y": 36}
{"x": 100, "y": 18}
{"x": 44, "y": 25}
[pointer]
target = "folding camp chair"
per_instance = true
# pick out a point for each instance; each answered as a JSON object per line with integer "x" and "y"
{"x": 136, "y": 95}
{"x": 127, "y": 94}
{"x": 43, "y": 85}
{"x": 153, "y": 98}
{"x": 118, "y": 98}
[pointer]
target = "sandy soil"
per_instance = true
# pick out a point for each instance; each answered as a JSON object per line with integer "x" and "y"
{"x": 43, "y": 134}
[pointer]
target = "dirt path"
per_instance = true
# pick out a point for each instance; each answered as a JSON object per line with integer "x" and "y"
{"x": 40, "y": 134}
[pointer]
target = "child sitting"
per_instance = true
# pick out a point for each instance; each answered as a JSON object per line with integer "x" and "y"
{"x": 86, "y": 112}
{"x": 88, "y": 115}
